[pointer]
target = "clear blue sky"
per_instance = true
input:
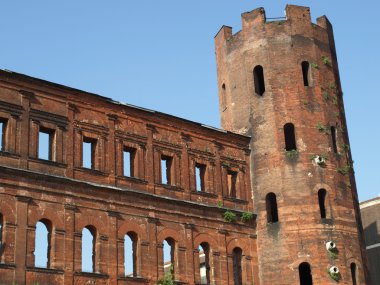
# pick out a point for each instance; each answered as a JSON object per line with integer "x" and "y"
{"x": 160, "y": 55}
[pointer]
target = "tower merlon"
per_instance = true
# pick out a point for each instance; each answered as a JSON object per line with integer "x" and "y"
{"x": 223, "y": 34}
{"x": 253, "y": 18}
{"x": 298, "y": 13}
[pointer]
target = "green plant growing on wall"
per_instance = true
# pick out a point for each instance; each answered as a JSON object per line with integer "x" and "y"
{"x": 335, "y": 100}
{"x": 229, "y": 216}
{"x": 345, "y": 147}
{"x": 322, "y": 128}
{"x": 246, "y": 216}
{"x": 219, "y": 204}
{"x": 325, "y": 95}
{"x": 326, "y": 61}
{"x": 333, "y": 253}
{"x": 323, "y": 155}
{"x": 291, "y": 153}
{"x": 314, "y": 65}
{"x": 344, "y": 170}
{"x": 168, "y": 278}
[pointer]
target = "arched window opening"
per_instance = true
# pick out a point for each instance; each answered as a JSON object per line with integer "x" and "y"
{"x": 130, "y": 254}
{"x": 322, "y": 202}
{"x": 204, "y": 262}
{"x": 1, "y": 234}
{"x": 334, "y": 139}
{"x": 237, "y": 256}
{"x": 306, "y": 73}
{"x": 290, "y": 137}
{"x": 42, "y": 244}
{"x": 271, "y": 206}
{"x": 305, "y": 274}
{"x": 354, "y": 274}
{"x": 88, "y": 249}
{"x": 258, "y": 77}
{"x": 224, "y": 87}
{"x": 169, "y": 252}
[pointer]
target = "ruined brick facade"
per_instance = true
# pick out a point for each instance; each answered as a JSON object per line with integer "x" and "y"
{"x": 238, "y": 169}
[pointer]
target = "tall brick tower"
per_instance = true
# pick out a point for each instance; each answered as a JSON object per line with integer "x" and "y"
{"x": 279, "y": 83}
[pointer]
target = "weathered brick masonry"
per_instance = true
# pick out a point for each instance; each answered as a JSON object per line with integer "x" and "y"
{"x": 284, "y": 244}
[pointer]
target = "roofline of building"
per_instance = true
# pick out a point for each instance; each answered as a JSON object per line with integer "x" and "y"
{"x": 111, "y": 101}
{"x": 370, "y": 202}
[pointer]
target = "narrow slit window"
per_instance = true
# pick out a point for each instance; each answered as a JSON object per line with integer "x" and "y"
{"x": 334, "y": 139}
{"x": 271, "y": 208}
{"x": 130, "y": 254}
{"x": 45, "y": 144}
{"x": 290, "y": 137}
{"x": 306, "y": 73}
{"x": 354, "y": 274}
{"x": 200, "y": 171}
{"x": 168, "y": 254}
{"x": 237, "y": 256}
{"x": 3, "y": 128}
{"x": 88, "y": 153}
{"x": 42, "y": 244}
{"x": 231, "y": 183}
{"x": 258, "y": 77}
{"x": 322, "y": 202}
{"x": 204, "y": 262}
{"x": 88, "y": 249}
{"x": 305, "y": 274}
{"x": 166, "y": 169}
{"x": 129, "y": 162}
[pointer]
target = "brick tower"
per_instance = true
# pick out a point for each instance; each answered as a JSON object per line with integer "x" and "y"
{"x": 279, "y": 83}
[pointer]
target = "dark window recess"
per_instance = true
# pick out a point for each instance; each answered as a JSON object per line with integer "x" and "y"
{"x": 334, "y": 139}
{"x": 305, "y": 274}
{"x": 237, "y": 256}
{"x": 258, "y": 78}
{"x": 204, "y": 262}
{"x": 88, "y": 249}
{"x": 42, "y": 244}
{"x": 89, "y": 152}
{"x": 45, "y": 144}
{"x": 169, "y": 254}
{"x": 290, "y": 137}
{"x": 129, "y": 156}
{"x": 322, "y": 202}
{"x": 271, "y": 207}
{"x": 200, "y": 171}
{"x": 354, "y": 276}
{"x": 166, "y": 169}
{"x": 130, "y": 254}
{"x": 231, "y": 183}
{"x": 224, "y": 87}
{"x": 306, "y": 73}
{"x": 3, "y": 130}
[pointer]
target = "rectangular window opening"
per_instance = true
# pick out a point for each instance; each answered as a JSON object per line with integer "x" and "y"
{"x": 3, "y": 127}
{"x": 200, "y": 171}
{"x": 45, "y": 144}
{"x": 166, "y": 165}
{"x": 231, "y": 183}
{"x": 129, "y": 162}
{"x": 88, "y": 153}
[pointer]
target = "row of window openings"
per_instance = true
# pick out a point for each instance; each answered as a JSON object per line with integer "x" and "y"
{"x": 306, "y": 278}
{"x": 272, "y": 209}
{"x": 259, "y": 82}
{"x": 290, "y": 138}
{"x": 43, "y": 247}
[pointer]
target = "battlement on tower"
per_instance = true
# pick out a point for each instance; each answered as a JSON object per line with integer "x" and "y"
{"x": 256, "y": 23}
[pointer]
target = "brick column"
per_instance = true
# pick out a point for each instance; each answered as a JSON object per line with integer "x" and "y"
{"x": 70, "y": 142}
{"x": 21, "y": 238}
{"x": 58, "y": 249}
{"x": 30, "y": 246}
{"x": 185, "y": 167}
{"x": 218, "y": 173}
{"x": 112, "y": 247}
{"x": 223, "y": 259}
{"x": 197, "y": 275}
{"x": 24, "y": 131}
{"x": 155, "y": 250}
{"x": 111, "y": 153}
{"x": 69, "y": 243}
{"x": 215, "y": 263}
{"x": 9, "y": 239}
{"x": 150, "y": 158}
{"x": 189, "y": 239}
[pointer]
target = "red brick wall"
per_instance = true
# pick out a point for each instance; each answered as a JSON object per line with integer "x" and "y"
{"x": 72, "y": 197}
{"x": 300, "y": 235}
